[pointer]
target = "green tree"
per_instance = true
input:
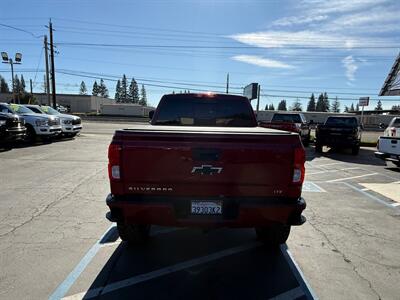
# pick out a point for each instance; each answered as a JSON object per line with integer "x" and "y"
{"x": 95, "y": 90}
{"x": 326, "y": 102}
{"x": 335, "y": 106}
{"x": 124, "y": 89}
{"x": 133, "y": 92}
{"x": 351, "y": 108}
{"x": 311, "y": 103}
{"x": 357, "y": 107}
{"x": 103, "y": 90}
{"x": 320, "y": 106}
{"x": 346, "y": 109}
{"x": 282, "y": 105}
{"x": 379, "y": 106}
{"x": 296, "y": 106}
{"x": 83, "y": 89}
{"x": 117, "y": 96}
{"x": 143, "y": 96}
{"x": 266, "y": 107}
{"x": 22, "y": 86}
{"x": 3, "y": 86}
{"x": 396, "y": 107}
{"x": 271, "y": 107}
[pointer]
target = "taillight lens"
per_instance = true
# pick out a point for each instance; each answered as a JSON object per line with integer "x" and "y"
{"x": 114, "y": 161}
{"x": 393, "y": 131}
{"x": 298, "y": 166}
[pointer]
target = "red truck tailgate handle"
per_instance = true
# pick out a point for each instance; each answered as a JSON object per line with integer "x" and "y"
{"x": 206, "y": 154}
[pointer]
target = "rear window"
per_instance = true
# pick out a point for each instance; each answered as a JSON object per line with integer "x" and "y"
{"x": 395, "y": 122}
{"x": 191, "y": 111}
{"x": 341, "y": 121}
{"x": 287, "y": 118}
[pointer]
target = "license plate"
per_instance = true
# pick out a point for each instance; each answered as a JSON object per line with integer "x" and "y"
{"x": 206, "y": 207}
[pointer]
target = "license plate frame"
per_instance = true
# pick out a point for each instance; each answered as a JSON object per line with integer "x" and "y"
{"x": 206, "y": 207}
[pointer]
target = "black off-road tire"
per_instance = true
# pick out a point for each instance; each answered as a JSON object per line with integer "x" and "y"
{"x": 355, "y": 150}
{"x": 318, "y": 148}
{"x": 132, "y": 233}
{"x": 30, "y": 135}
{"x": 273, "y": 235}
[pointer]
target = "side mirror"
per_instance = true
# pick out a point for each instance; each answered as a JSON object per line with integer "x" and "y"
{"x": 151, "y": 114}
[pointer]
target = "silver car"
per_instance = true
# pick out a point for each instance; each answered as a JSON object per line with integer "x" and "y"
{"x": 70, "y": 125}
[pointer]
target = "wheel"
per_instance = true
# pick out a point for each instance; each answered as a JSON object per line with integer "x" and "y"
{"x": 397, "y": 163}
{"x": 274, "y": 235}
{"x": 318, "y": 148}
{"x": 133, "y": 233}
{"x": 30, "y": 135}
{"x": 355, "y": 150}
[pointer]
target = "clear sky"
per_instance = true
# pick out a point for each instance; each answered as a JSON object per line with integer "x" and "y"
{"x": 292, "y": 48}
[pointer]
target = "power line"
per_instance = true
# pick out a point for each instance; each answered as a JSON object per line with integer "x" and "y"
{"x": 22, "y": 30}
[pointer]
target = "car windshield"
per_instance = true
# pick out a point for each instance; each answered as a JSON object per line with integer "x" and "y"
{"x": 50, "y": 111}
{"x": 190, "y": 111}
{"x": 286, "y": 118}
{"x": 341, "y": 121}
{"x": 35, "y": 109}
{"x": 20, "y": 109}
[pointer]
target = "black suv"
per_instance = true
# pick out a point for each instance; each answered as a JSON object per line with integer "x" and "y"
{"x": 12, "y": 128}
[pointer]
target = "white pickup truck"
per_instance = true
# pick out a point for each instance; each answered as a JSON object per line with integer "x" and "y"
{"x": 389, "y": 144}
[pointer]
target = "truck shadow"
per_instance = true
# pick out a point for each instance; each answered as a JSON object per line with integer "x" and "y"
{"x": 190, "y": 264}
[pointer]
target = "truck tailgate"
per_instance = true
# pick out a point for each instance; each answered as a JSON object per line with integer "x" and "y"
{"x": 207, "y": 164}
{"x": 389, "y": 145}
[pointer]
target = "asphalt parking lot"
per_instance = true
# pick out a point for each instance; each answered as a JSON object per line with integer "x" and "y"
{"x": 56, "y": 243}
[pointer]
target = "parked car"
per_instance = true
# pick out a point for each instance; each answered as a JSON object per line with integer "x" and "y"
{"x": 339, "y": 132}
{"x": 37, "y": 125}
{"x": 70, "y": 125}
{"x": 204, "y": 162}
{"x": 12, "y": 127}
{"x": 293, "y": 122}
{"x": 389, "y": 144}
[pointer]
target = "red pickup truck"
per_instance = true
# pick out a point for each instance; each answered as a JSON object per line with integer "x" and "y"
{"x": 204, "y": 162}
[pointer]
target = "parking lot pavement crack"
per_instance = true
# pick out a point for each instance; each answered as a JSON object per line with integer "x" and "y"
{"x": 345, "y": 258}
{"x": 38, "y": 213}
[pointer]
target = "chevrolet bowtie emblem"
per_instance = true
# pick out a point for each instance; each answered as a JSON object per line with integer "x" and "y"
{"x": 206, "y": 170}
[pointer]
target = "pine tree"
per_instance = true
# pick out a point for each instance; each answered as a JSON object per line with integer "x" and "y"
{"x": 346, "y": 109}
{"x": 83, "y": 89}
{"x": 282, "y": 105}
{"x": 17, "y": 84}
{"x": 357, "y": 107}
{"x": 117, "y": 96}
{"x": 103, "y": 91}
{"x": 143, "y": 96}
{"x": 311, "y": 103}
{"x": 320, "y": 106}
{"x": 296, "y": 106}
{"x": 3, "y": 86}
{"x": 351, "y": 108}
{"x": 326, "y": 102}
{"x": 124, "y": 89}
{"x": 271, "y": 107}
{"x": 133, "y": 92}
{"x": 335, "y": 106}
{"x": 22, "y": 86}
{"x": 379, "y": 106}
{"x": 95, "y": 90}
{"x": 266, "y": 107}
{"x": 396, "y": 107}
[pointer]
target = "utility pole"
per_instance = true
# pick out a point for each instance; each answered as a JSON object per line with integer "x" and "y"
{"x": 227, "y": 83}
{"x": 258, "y": 100}
{"x": 53, "y": 72}
{"x": 46, "y": 60}
{"x": 30, "y": 82}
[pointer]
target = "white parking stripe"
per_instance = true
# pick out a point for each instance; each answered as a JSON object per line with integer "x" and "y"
{"x": 331, "y": 164}
{"x": 353, "y": 177}
{"x": 395, "y": 204}
{"x": 162, "y": 272}
{"x": 288, "y": 295}
{"x": 332, "y": 171}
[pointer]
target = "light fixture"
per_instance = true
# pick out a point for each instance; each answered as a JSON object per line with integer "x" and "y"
{"x": 4, "y": 55}
{"x": 18, "y": 57}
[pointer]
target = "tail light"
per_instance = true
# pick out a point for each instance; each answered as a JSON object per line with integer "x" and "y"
{"x": 114, "y": 161}
{"x": 393, "y": 131}
{"x": 298, "y": 166}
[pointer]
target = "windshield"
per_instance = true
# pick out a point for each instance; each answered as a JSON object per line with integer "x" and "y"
{"x": 19, "y": 109}
{"x": 36, "y": 109}
{"x": 341, "y": 121}
{"x": 286, "y": 118}
{"x": 49, "y": 110}
{"x": 189, "y": 111}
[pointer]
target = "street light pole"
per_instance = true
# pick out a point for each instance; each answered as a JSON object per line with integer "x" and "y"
{"x": 12, "y": 78}
{"x": 6, "y": 60}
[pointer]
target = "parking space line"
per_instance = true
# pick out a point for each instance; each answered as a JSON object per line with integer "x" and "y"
{"x": 288, "y": 295}
{"x": 63, "y": 288}
{"x": 395, "y": 204}
{"x": 353, "y": 177}
{"x": 332, "y": 171}
{"x": 369, "y": 195}
{"x": 305, "y": 286}
{"x": 309, "y": 186}
{"x": 331, "y": 164}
